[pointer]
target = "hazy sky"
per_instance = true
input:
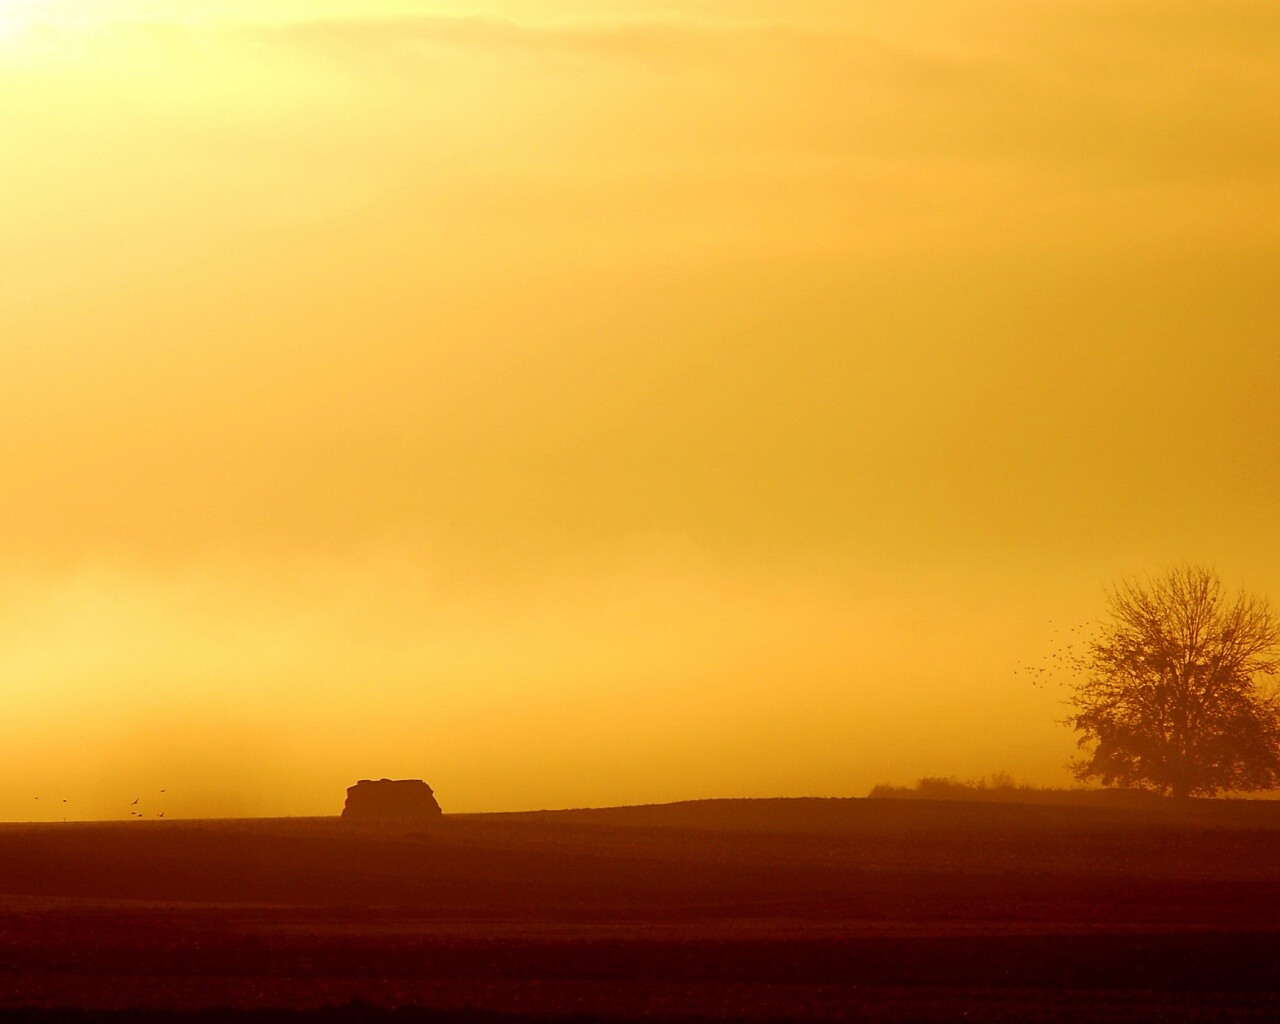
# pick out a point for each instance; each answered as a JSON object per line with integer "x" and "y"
{"x": 600, "y": 402}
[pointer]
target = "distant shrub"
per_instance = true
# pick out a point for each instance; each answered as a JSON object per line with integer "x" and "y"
{"x": 999, "y": 787}
{"x": 1003, "y": 780}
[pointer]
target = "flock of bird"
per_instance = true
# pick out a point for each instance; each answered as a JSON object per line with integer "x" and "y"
{"x": 1068, "y": 654}
{"x": 132, "y": 813}
{"x": 139, "y": 814}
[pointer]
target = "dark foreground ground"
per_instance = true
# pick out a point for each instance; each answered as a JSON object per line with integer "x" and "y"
{"x": 743, "y": 910}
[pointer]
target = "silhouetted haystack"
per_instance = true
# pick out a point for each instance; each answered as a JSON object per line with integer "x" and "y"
{"x": 391, "y": 800}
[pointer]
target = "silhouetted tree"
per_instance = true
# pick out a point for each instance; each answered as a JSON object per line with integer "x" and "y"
{"x": 1174, "y": 694}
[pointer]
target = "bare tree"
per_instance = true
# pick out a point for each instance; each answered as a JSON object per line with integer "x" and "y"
{"x": 1174, "y": 694}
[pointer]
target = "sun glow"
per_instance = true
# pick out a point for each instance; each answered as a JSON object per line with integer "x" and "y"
{"x": 17, "y": 15}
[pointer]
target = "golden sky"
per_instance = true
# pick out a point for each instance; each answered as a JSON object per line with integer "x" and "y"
{"x": 603, "y": 402}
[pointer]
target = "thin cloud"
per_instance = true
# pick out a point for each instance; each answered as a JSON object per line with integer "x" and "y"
{"x": 1093, "y": 90}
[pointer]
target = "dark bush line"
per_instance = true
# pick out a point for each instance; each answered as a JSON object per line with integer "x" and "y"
{"x": 1001, "y": 788}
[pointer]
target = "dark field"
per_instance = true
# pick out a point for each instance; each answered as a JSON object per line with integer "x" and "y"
{"x": 796, "y": 910}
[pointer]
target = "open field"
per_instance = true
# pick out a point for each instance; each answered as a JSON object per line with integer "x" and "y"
{"x": 814, "y": 910}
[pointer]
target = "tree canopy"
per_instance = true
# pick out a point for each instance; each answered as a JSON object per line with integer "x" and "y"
{"x": 1175, "y": 693}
